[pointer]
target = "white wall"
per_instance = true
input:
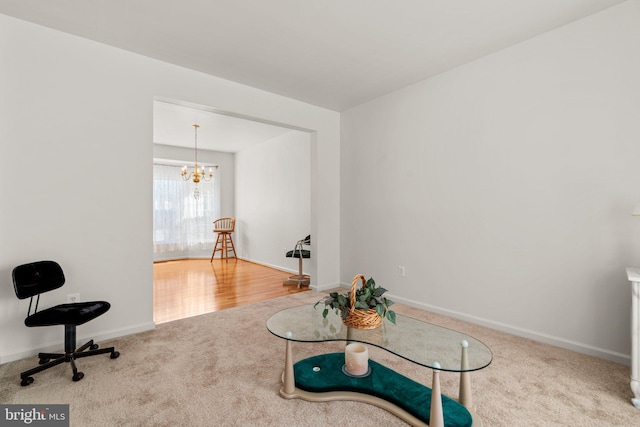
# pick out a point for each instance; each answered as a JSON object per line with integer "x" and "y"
{"x": 76, "y": 129}
{"x": 273, "y": 200}
{"x": 505, "y": 187}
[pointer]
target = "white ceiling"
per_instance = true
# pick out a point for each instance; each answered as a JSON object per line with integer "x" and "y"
{"x": 331, "y": 53}
{"x": 173, "y": 125}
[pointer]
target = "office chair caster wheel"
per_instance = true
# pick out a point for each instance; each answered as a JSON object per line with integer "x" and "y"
{"x": 94, "y": 347}
{"x": 78, "y": 376}
{"x": 43, "y": 361}
{"x": 115, "y": 355}
{"x": 26, "y": 381}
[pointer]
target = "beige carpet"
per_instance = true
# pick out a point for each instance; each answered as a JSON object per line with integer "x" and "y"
{"x": 224, "y": 368}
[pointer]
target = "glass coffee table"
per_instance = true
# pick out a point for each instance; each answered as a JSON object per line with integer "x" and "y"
{"x": 323, "y": 378}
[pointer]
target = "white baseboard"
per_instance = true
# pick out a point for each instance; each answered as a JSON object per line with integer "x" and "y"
{"x": 60, "y": 345}
{"x": 326, "y": 287}
{"x": 314, "y": 287}
{"x": 124, "y": 332}
{"x": 276, "y": 267}
{"x": 601, "y": 353}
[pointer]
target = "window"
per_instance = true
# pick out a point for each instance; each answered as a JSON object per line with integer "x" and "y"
{"x": 182, "y": 224}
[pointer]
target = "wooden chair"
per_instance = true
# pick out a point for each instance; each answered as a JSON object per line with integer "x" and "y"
{"x": 224, "y": 227}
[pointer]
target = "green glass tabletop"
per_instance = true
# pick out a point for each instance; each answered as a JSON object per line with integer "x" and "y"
{"x": 417, "y": 341}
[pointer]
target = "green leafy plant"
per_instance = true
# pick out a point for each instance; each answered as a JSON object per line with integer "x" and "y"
{"x": 367, "y": 297}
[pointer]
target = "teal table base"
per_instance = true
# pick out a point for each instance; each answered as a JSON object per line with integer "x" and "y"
{"x": 321, "y": 378}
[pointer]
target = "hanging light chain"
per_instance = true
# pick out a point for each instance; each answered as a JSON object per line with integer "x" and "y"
{"x": 197, "y": 175}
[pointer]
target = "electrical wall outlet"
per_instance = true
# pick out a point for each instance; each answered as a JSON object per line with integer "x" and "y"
{"x": 401, "y": 270}
{"x": 73, "y": 298}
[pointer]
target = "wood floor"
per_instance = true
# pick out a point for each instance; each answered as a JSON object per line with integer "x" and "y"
{"x": 191, "y": 287}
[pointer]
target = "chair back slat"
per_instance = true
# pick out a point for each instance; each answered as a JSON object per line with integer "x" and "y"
{"x": 37, "y": 277}
{"x": 224, "y": 225}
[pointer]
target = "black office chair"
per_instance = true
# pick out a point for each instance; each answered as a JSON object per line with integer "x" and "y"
{"x": 35, "y": 278}
{"x": 299, "y": 252}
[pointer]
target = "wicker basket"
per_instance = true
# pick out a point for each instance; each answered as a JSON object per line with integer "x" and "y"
{"x": 357, "y": 317}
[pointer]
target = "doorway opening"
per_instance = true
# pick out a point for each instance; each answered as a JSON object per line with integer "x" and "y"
{"x": 264, "y": 182}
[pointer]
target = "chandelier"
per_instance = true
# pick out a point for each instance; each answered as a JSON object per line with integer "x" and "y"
{"x": 198, "y": 174}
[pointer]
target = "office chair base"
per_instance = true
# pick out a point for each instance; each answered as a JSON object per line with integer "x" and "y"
{"x": 297, "y": 280}
{"x": 49, "y": 360}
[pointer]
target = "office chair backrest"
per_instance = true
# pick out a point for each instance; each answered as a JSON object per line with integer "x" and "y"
{"x": 36, "y": 278}
{"x": 300, "y": 249}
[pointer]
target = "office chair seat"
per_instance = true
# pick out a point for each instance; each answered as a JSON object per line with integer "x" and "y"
{"x": 296, "y": 253}
{"x": 68, "y": 314}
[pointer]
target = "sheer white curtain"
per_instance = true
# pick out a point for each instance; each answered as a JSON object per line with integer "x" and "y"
{"x": 182, "y": 224}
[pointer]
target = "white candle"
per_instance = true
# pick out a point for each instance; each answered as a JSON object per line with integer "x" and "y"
{"x": 356, "y": 358}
